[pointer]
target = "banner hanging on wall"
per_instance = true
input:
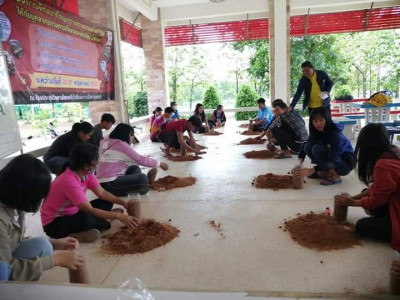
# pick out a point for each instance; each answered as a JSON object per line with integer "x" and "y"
{"x": 54, "y": 56}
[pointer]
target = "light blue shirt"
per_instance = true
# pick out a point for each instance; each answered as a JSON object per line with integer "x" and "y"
{"x": 175, "y": 115}
{"x": 265, "y": 113}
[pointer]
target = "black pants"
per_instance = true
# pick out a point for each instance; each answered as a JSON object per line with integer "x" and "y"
{"x": 133, "y": 181}
{"x": 81, "y": 221}
{"x": 378, "y": 227}
{"x": 286, "y": 138}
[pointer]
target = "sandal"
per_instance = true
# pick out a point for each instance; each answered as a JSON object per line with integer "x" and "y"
{"x": 282, "y": 155}
{"x": 330, "y": 181}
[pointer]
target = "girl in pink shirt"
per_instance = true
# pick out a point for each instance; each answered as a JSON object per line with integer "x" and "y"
{"x": 67, "y": 212}
{"x": 118, "y": 171}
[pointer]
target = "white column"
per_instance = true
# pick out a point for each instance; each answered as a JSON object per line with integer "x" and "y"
{"x": 119, "y": 70}
{"x": 279, "y": 37}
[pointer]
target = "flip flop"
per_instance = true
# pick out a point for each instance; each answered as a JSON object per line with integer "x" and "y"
{"x": 282, "y": 155}
{"x": 330, "y": 181}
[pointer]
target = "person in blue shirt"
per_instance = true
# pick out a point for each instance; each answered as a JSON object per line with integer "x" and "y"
{"x": 328, "y": 148}
{"x": 175, "y": 115}
{"x": 316, "y": 86}
{"x": 263, "y": 119}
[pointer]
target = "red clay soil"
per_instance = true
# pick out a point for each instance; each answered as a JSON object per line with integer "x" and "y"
{"x": 172, "y": 182}
{"x": 250, "y": 132}
{"x": 149, "y": 235}
{"x": 244, "y": 125}
{"x": 272, "y": 181}
{"x": 322, "y": 232}
{"x": 252, "y": 141}
{"x": 217, "y": 227}
{"x": 184, "y": 158}
{"x": 259, "y": 154}
{"x": 212, "y": 132}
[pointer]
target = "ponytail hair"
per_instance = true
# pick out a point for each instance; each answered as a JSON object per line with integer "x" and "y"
{"x": 158, "y": 109}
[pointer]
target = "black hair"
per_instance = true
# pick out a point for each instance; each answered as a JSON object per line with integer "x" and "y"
{"x": 280, "y": 103}
{"x": 173, "y": 103}
{"x": 157, "y": 110}
{"x": 201, "y": 115}
{"x": 168, "y": 110}
{"x": 307, "y": 64}
{"x": 261, "y": 100}
{"x": 81, "y": 156}
{"x": 122, "y": 132}
{"x": 24, "y": 183}
{"x": 85, "y": 127}
{"x": 219, "y": 106}
{"x": 372, "y": 142}
{"x": 195, "y": 121}
{"x": 108, "y": 118}
{"x": 321, "y": 112}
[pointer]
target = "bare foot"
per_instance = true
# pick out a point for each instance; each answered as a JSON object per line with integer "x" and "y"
{"x": 151, "y": 176}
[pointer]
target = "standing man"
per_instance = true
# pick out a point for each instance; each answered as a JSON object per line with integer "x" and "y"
{"x": 316, "y": 86}
{"x": 107, "y": 121}
{"x": 175, "y": 115}
{"x": 263, "y": 118}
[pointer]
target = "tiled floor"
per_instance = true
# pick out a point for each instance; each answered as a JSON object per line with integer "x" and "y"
{"x": 255, "y": 255}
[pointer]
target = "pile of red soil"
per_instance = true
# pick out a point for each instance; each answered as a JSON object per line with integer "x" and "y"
{"x": 250, "y": 132}
{"x": 322, "y": 232}
{"x": 217, "y": 227}
{"x": 244, "y": 125}
{"x": 272, "y": 181}
{"x": 259, "y": 154}
{"x": 184, "y": 158}
{"x": 172, "y": 182}
{"x": 212, "y": 132}
{"x": 251, "y": 141}
{"x": 149, "y": 235}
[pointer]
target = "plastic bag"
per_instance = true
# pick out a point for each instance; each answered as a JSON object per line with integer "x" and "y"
{"x": 134, "y": 289}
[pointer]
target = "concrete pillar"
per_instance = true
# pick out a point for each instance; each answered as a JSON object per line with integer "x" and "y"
{"x": 153, "y": 48}
{"x": 279, "y": 39}
{"x": 102, "y": 12}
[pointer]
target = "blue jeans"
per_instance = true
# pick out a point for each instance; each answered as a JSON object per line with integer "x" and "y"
{"x": 319, "y": 156}
{"x": 29, "y": 248}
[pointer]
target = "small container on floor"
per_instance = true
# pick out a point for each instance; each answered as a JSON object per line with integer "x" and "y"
{"x": 81, "y": 275}
{"x": 298, "y": 180}
{"x": 394, "y": 283}
{"x": 134, "y": 209}
{"x": 340, "y": 211}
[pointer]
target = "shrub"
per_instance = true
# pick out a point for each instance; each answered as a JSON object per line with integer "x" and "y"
{"x": 246, "y": 98}
{"x": 211, "y": 99}
{"x": 343, "y": 93}
{"x": 139, "y": 105}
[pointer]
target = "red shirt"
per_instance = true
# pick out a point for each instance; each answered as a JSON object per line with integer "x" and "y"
{"x": 386, "y": 190}
{"x": 177, "y": 126}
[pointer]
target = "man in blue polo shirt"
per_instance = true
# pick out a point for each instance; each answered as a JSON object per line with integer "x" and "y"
{"x": 263, "y": 118}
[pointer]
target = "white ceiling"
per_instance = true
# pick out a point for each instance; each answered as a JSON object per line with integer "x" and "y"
{"x": 177, "y": 12}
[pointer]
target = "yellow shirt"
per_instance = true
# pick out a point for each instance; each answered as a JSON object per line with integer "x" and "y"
{"x": 315, "y": 99}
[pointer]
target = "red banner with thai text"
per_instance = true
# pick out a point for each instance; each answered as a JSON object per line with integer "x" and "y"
{"x": 55, "y": 56}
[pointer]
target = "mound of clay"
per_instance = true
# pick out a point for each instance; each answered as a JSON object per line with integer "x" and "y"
{"x": 251, "y": 141}
{"x": 259, "y": 154}
{"x": 244, "y": 125}
{"x": 172, "y": 182}
{"x": 212, "y": 132}
{"x": 149, "y": 235}
{"x": 250, "y": 132}
{"x": 322, "y": 232}
{"x": 184, "y": 158}
{"x": 272, "y": 181}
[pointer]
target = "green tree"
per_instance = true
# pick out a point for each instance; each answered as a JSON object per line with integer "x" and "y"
{"x": 175, "y": 63}
{"x": 246, "y": 98}
{"x": 138, "y": 107}
{"x": 211, "y": 98}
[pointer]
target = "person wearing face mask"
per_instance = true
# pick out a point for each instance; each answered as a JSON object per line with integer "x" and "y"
{"x": 316, "y": 86}
{"x": 119, "y": 171}
{"x": 67, "y": 212}
{"x": 58, "y": 153}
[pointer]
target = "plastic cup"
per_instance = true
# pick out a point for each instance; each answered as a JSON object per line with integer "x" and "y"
{"x": 80, "y": 275}
{"x": 340, "y": 211}
{"x": 134, "y": 209}
{"x": 394, "y": 284}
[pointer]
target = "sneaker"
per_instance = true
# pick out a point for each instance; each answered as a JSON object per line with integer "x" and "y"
{"x": 88, "y": 236}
